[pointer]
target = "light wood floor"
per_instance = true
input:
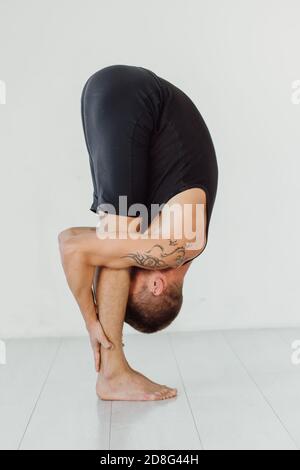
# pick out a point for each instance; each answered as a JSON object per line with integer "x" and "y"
{"x": 237, "y": 390}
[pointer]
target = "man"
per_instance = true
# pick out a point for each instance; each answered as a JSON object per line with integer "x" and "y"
{"x": 147, "y": 143}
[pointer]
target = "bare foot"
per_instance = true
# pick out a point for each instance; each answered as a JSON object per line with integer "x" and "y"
{"x": 130, "y": 385}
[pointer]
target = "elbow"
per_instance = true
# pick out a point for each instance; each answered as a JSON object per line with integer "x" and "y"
{"x": 200, "y": 248}
{"x": 193, "y": 250}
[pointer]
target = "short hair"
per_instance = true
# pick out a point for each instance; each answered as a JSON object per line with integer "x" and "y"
{"x": 149, "y": 313}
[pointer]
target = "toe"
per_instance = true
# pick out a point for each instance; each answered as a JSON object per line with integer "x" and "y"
{"x": 172, "y": 392}
{"x": 165, "y": 393}
{"x": 161, "y": 394}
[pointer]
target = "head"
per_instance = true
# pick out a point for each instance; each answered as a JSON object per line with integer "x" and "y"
{"x": 155, "y": 298}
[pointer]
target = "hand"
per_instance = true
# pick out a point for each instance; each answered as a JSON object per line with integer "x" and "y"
{"x": 98, "y": 339}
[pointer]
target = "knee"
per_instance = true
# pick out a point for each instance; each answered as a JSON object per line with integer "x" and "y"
{"x": 64, "y": 235}
{"x": 64, "y": 239}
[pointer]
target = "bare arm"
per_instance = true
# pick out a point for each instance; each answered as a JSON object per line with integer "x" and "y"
{"x": 79, "y": 275}
{"x": 118, "y": 253}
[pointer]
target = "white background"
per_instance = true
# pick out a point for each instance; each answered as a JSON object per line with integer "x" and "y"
{"x": 237, "y": 60}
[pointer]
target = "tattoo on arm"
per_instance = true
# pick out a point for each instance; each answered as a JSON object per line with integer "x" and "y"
{"x": 158, "y": 258}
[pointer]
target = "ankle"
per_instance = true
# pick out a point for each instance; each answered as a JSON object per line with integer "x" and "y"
{"x": 111, "y": 373}
{"x": 113, "y": 364}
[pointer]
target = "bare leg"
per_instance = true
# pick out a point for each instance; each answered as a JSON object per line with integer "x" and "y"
{"x": 117, "y": 380}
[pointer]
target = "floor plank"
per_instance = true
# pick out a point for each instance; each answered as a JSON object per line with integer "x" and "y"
{"x": 68, "y": 414}
{"x": 237, "y": 390}
{"x": 157, "y": 425}
{"x": 21, "y": 382}
{"x": 268, "y": 359}
{"x": 230, "y": 411}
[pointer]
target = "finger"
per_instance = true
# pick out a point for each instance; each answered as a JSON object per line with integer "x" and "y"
{"x": 99, "y": 362}
{"x": 97, "y": 358}
{"x": 104, "y": 341}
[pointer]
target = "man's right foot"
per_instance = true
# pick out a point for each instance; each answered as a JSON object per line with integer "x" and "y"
{"x": 130, "y": 385}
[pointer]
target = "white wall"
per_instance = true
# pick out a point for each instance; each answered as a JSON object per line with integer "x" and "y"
{"x": 237, "y": 60}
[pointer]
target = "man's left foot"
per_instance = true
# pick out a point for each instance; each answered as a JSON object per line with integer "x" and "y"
{"x": 130, "y": 385}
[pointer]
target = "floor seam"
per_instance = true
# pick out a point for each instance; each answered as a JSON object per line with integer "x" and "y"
{"x": 110, "y": 424}
{"x": 259, "y": 389}
{"x": 40, "y": 393}
{"x": 185, "y": 391}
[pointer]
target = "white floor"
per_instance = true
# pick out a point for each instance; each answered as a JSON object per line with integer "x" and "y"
{"x": 237, "y": 390}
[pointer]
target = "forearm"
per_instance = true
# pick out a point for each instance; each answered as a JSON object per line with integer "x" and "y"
{"x": 79, "y": 276}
